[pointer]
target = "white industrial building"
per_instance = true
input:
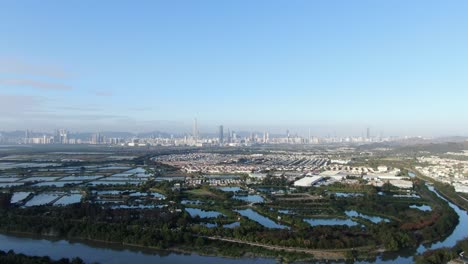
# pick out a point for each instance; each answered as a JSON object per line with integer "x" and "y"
{"x": 460, "y": 187}
{"x": 307, "y": 181}
{"x": 382, "y": 168}
{"x": 383, "y": 177}
{"x": 257, "y": 175}
{"x": 402, "y": 184}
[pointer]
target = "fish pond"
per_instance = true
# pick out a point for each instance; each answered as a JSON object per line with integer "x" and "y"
{"x": 262, "y": 220}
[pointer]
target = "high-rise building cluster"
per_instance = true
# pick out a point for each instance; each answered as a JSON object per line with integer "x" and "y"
{"x": 219, "y": 137}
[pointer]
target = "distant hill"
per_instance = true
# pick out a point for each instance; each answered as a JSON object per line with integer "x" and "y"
{"x": 451, "y": 139}
{"x": 153, "y": 134}
{"x": 436, "y": 148}
{"x": 13, "y": 134}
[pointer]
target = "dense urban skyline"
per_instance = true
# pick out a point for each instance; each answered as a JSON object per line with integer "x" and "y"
{"x": 334, "y": 67}
{"x": 215, "y": 131}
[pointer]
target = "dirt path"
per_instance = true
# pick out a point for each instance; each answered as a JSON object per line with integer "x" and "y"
{"x": 317, "y": 253}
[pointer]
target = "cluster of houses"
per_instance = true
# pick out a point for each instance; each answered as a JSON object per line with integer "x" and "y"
{"x": 451, "y": 171}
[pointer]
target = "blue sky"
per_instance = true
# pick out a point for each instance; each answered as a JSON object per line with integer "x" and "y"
{"x": 400, "y": 67}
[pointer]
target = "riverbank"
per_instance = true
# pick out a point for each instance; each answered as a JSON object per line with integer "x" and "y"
{"x": 339, "y": 255}
{"x": 314, "y": 254}
{"x": 13, "y": 257}
{"x": 180, "y": 250}
{"x": 148, "y": 252}
{"x": 105, "y": 253}
{"x": 450, "y": 195}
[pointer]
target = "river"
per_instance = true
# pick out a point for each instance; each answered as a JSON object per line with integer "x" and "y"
{"x": 105, "y": 253}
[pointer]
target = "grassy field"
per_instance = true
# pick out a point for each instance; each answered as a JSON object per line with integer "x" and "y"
{"x": 202, "y": 192}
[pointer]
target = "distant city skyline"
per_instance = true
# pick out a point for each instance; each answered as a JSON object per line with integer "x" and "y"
{"x": 213, "y": 127}
{"x": 216, "y": 131}
{"x": 396, "y": 67}
{"x": 157, "y": 138}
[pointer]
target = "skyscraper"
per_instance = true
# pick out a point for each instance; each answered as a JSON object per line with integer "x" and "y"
{"x": 195, "y": 129}
{"x": 368, "y": 132}
{"x": 96, "y": 138}
{"x": 62, "y": 136}
{"x": 221, "y": 134}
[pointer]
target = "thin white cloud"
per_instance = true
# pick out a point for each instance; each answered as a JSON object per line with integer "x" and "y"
{"x": 79, "y": 117}
{"x": 80, "y": 108}
{"x": 14, "y": 106}
{"x": 35, "y": 84}
{"x": 14, "y": 66}
{"x": 138, "y": 109}
{"x": 103, "y": 93}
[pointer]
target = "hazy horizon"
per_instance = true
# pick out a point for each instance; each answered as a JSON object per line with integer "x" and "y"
{"x": 185, "y": 128}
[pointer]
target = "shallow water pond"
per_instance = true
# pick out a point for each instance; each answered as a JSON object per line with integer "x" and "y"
{"x": 264, "y": 221}
{"x": 424, "y": 208}
{"x": 230, "y": 189}
{"x": 19, "y": 196}
{"x": 373, "y": 219}
{"x": 69, "y": 199}
{"x": 249, "y": 198}
{"x": 202, "y": 213}
{"x": 330, "y": 221}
